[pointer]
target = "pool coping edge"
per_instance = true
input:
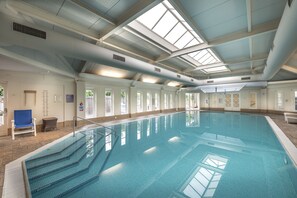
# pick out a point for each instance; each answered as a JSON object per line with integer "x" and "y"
{"x": 14, "y": 185}
{"x": 289, "y": 147}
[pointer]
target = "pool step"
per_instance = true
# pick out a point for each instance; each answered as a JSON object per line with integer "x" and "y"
{"x": 74, "y": 160}
{"x": 52, "y": 159}
{"x": 69, "y": 142}
{"x": 84, "y": 181}
{"x": 67, "y": 174}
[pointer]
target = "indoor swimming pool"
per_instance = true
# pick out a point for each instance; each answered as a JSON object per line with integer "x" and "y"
{"x": 187, "y": 154}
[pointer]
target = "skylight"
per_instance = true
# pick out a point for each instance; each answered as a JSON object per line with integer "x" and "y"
{"x": 216, "y": 69}
{"x": 204, "y": 57}
{"x": 165, "y": 21}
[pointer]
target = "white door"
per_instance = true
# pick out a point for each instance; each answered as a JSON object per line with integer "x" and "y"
{"x": 232, "y": 101}
{"x": 3, "y": 110}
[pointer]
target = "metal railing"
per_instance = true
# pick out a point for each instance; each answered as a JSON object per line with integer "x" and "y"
{"x": 75, "y": 118}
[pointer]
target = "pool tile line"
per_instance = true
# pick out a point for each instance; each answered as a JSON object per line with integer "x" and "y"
{"x": 284, "y": 140}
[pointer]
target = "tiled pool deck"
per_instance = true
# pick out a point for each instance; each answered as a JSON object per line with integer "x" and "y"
{"x": 24, "y": 144}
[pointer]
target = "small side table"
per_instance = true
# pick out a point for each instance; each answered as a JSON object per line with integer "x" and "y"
{"x": 49, "y": 123}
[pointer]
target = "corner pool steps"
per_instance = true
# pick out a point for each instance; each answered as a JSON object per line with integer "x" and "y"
{"x": 72, "y": 160}
{"x": 62, "y": 174}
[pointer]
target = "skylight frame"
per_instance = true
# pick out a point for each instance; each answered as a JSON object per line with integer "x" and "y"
{"x": 180, "y": 20}
{"x": 207, "y": 57}
{"x": 213, "y": 70}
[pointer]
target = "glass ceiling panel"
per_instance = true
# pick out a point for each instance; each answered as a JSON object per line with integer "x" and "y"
{"x": 176, "y": 33}
{"x": 151, "y": 17}
{"x": 166, "y": 24}
{"x": 216, "y": 69}
{"x": 193, "y": 42}
{"x": 165, "y": 21}
{"x": 193, "y": 54}
{"x": 210, "y": 60}
{"x": 200, "y": 55}
{"x": 184, "y": 40}
{"x": 205, "y": 57}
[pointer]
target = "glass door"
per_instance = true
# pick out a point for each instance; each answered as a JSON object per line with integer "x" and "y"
{"x": 3, "y": 110}
{"x": 232, "y": 101}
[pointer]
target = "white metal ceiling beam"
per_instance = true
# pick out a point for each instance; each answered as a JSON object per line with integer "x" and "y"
{"x": 237, "y": 72}
{"x": 240, "y": 71}
{"x": 48, "y": 17}
{"x": 257, "y": 30}
{"x": 35, "y": 63}
{"x": 226, "y": 63}
{"x": 142, "y": 32}
{"x": 133, "y": 54}
{"x": 249, "y": 22}
{"x": 94, "y": 11}
{"x": 136, "y": 78}
{"x": 147, "y": 39}
{"x": 290, "y": 69}
{"x": 135, "y": 11}
{"x": 166, "y": 82}
{"x": 65, "y": 62}
{"x": 249, "y": 14}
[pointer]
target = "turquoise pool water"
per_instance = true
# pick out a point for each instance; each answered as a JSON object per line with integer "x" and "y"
{"x": 188, "y": 154}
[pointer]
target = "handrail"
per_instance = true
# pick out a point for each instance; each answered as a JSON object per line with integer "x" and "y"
{"x": 77, "y": 117}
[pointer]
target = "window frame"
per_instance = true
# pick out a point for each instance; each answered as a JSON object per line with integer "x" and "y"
{"x": 126, "y": 100}
{"x": 111, "y": 103}
{"x": 277, "y": 101}
{"x": 94, "y": 104}
{"x": 139, "y": 107}
{"x": 295, "y": 100}
{"x": 149, "y": 101}
{"x": 165, "y": 101}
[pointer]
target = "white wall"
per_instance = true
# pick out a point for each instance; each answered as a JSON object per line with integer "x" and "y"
{"x": 266, "y": 98}
{"x": 56, "y": 87}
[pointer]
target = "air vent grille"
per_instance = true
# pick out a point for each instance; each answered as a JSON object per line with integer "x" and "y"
{"x": 28, "y": 30}
{"x": 119, "y": 58}
{"x": 246, "y": 78}
{"x": 157, "y": 69}
{"x": 209, "y": 81}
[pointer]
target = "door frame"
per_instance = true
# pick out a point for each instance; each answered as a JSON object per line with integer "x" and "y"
{"x": 3, "y": 128}
{"x": 232, "y": 108}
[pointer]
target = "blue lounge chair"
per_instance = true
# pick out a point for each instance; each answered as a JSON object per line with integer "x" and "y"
{"x": 24, "y": 122}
